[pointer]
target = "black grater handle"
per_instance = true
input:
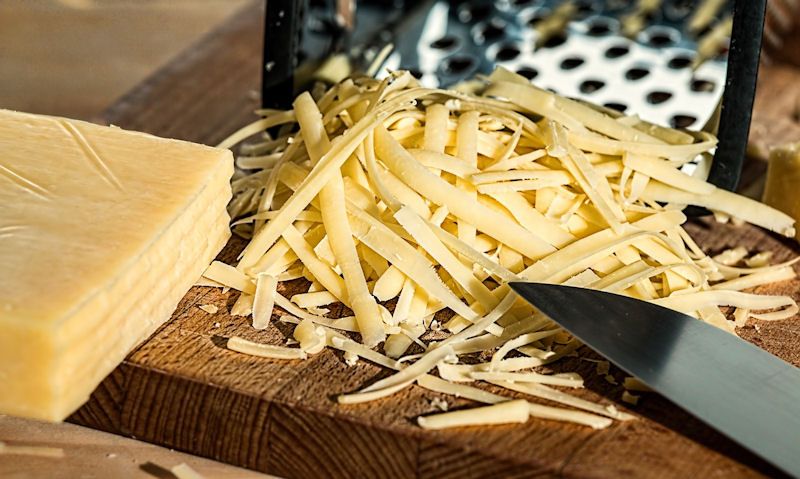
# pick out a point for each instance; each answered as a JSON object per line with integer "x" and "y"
{"x": 740, "y": 89}
{"x": 283, "y": 25}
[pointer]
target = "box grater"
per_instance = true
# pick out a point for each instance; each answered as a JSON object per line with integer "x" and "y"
{"x": 637, "y": 57}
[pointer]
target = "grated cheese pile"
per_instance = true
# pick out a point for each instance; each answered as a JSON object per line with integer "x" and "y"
{"x": 434, "y": 199}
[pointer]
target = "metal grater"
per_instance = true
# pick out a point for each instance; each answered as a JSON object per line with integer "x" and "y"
{"x": 649, "y": 74}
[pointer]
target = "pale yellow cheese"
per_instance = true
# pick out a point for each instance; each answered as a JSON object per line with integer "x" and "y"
{"x": 102, "y": 231}
{"x": 569, "y": 199}
{"x": 783, "y": 181}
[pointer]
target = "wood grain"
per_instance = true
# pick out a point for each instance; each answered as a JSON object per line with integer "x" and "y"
{"x": 183, "y": 389}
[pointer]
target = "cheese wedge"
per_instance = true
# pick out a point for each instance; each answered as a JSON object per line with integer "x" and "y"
{"x": 102, "y": 231}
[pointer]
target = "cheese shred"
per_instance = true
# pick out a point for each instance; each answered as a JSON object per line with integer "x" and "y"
{"x": 502, "y": 413}
{"x": 39, "y": 451}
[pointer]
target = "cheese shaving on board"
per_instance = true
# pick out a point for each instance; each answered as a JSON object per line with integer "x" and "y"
{"x": 39, "y": 451}
{"x": 432, "y": 200}
{"x": 500, "y": 413}
{"x": 184, "y": 471}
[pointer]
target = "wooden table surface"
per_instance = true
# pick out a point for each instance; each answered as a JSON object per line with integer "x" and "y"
{"x": 75, "y": 57}
{"x": 90, "y": 454}
{"x": 182, "y": 389}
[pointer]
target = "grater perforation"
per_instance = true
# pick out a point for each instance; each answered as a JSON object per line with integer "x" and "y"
{"x": 649, "y": 74}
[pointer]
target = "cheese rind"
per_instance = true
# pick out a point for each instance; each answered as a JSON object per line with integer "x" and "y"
{"x": 101, "y": 234}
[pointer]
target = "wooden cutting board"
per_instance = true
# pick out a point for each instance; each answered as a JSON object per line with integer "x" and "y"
{"x": 184, "y": 390}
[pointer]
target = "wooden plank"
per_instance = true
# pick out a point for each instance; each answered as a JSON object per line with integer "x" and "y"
{"x": 206, "y": 92}
{"x": 183, "y": 389}
{"x": 73, "y": 58}
{"x": 94, "y": 454}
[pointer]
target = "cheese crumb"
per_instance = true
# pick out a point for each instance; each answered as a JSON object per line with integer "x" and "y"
{"x": 633, "y": 384}
{"x": 630, "y": 398}
{"x": 610, "y": 379}
{"x": 759, "y": 260}
{"x": 243, "y": 305}
{"x": 731, "y": 256}
{"x": 602, "y": 368}
{"x": 183, "y": 471}
{"x": 440, "y": 404}
{"x": 209, "y": 308}
{"x": 350, "y": 358}
{"x": 310, "y": 336}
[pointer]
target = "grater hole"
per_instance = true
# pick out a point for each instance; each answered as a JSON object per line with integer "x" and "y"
{"x": 458, "y": 64}
{"x": 660, "y": 37}
{"x": 617, "y": 51}
{"x": 492, "y": 31}
{"x": 651, "y": 16}
{"x": 598, "y": 28}
{"x": 620, "y": 107}
{"x": 636, "y": 73}
{"x": 702, "y": 86}
{"x": 521, "y": 3}
{"x": 617, "y": 4}
{"x": 538, "y": 16}
{"x": 415, "y": 72}
{"x": 528, "y": 72}
{"x": 555, "y": 41}
{"x": 591, "y": 86}
{"x": 506, "y": 53}
{"x": 682, "y": 121}
{"x": 585, "y": 8}
{"x": 679, "y": 62}
{"x": 658, "y": 97}
{"x": 445, "y": 43}
{"x": 678, "y": 9}
{"x": 660, "y": 40}
{"x": 571, "y": 63}
{"x": 475, "y": 12}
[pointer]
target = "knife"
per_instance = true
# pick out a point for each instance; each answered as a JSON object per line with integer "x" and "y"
{"x": 742, "y": 391}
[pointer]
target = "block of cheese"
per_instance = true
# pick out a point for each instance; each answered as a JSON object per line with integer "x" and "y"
{"x": 102, "y": 231}
{"x": 783, "y": 181}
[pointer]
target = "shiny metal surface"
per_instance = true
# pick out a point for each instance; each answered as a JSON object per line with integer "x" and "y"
{"x": 737, "y": 388}
{"x": 648, "y": 75}
{"x": 444, "y": 42}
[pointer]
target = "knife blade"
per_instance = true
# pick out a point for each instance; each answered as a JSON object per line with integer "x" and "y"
{"x": 739, "y": 389}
